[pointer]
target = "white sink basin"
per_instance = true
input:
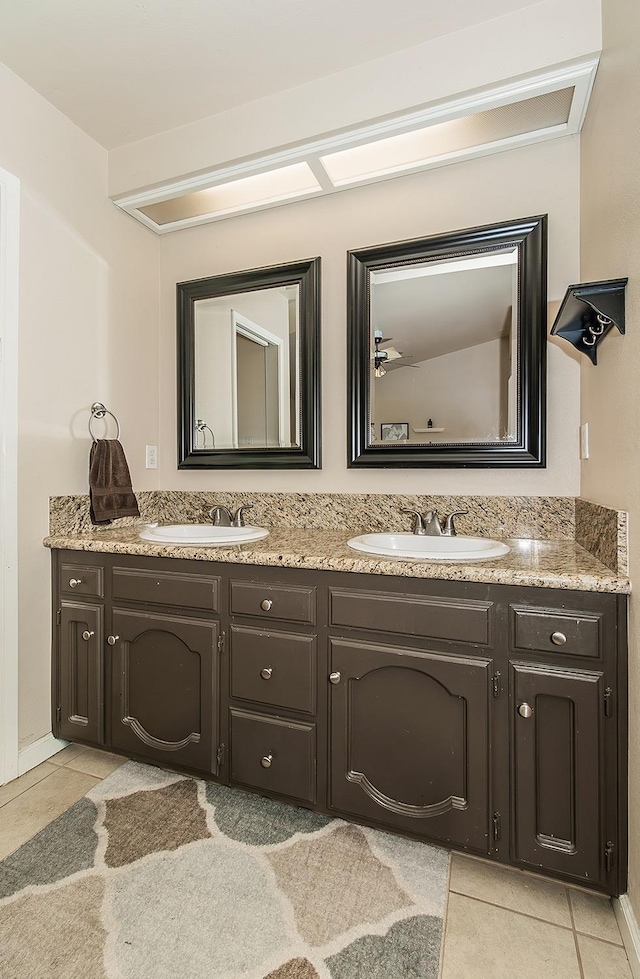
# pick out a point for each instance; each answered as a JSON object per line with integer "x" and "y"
{"x": 426, "y": 548}
{"x": 193, "y": 533}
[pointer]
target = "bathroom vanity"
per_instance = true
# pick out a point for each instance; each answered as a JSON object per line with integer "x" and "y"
{"x": 487, "y": 716}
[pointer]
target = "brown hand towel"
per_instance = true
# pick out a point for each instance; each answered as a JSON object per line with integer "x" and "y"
{"x": 110, "y": 488}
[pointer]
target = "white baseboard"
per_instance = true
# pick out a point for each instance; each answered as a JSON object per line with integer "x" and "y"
{"x": 34, "y": 754}
{"x": 629, "y": 930}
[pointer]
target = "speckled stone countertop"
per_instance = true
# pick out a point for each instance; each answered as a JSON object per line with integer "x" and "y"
{"x": 540, "y": 564}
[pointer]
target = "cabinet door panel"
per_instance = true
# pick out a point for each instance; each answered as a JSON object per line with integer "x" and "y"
{"x": 81, "y": 673}
{"x": 410, "y": 740}
{"x": 557, "y": 770}
{"x": 165, "y": 683}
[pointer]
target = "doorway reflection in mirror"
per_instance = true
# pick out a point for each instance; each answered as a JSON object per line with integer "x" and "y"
{"x": 247, "y": 368}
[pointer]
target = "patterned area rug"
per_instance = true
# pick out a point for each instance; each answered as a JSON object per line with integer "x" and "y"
{"x": 157, "y": 876}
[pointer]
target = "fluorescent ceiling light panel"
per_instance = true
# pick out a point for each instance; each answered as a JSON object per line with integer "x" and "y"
{"x": 522, "y": 111}
{"x": 416, "y": 149}
{"x": 491, "y": 260}
{"x": 237, "y": 195}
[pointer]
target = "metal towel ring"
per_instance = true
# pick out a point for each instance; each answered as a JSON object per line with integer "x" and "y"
{"x": 99, "y": 411}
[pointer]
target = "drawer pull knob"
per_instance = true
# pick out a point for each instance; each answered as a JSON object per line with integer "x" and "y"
{"x": 525, "y": 711}
{"x": 112, "y": 640}
{"x": 74, "y": 582}
{"x": 266, "y": 672}
{"x": 334, "y": 678}
{"x": 266, "y": 604}
{"x": 266, "y": 761}
{"x": 86, "y": 635}
{"x": 558, "y": 638}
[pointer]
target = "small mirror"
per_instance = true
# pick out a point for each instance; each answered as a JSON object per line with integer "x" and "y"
{"x": 447, "y": 345}
{"x": 248, "y": 369}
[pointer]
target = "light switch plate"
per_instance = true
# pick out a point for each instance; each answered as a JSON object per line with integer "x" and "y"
{"x": 584, "y": 441}
{"x": 152, "y": 457}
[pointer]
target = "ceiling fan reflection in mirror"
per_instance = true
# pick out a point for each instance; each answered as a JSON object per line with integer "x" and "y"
{"x": 383, "y": 357}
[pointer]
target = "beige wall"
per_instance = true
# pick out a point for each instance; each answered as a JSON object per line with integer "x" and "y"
{"x": 87, "y": 331}
{"x": 610, "y": 391}
{"x": 532, "y": 180}
{"x": 459, "y": 391}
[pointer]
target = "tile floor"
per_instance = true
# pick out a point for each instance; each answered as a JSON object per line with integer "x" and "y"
{"x": 501, "y": 923}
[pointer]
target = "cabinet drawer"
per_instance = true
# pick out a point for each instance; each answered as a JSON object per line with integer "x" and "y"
{"x": 289, "y": 602}
{"x": 286, "y": 748}
{"x": 192, "y": 591}
{"x": 574, "y": 633}
{"x": 273, "y": 668}
{"x": 412, "y": 615}
{"x": 81, "y": 579}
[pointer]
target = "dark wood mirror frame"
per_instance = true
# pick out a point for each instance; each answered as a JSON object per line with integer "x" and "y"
{"x": 529, "y": 235}
{"x": 306, "y": 275}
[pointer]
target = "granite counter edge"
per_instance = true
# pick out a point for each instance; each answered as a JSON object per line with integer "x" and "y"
{"x": 568, "y": 581}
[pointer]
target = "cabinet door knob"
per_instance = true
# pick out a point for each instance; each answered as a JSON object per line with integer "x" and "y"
{"x": 334, "y": 678}
{"x": 266, "y": 761}
{"x": 86, "y": 635}
{"x": 112, "y": 640}
{"x": 558, "y": 638}
{"x": 74, "y": 582}
{"x": 525, "y": 710}
{"x": 266, "y": 672}
{"x": 266, "y": 604}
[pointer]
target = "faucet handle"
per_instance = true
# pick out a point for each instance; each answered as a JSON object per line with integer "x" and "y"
{"x": 449, "y": 529}
{"x": 238, "y": 517}
{"x": 220, "y": 516}
{"x": 418, "y": 520}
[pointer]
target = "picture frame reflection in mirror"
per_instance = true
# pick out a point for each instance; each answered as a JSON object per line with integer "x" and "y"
{"x": 394, "y": 431}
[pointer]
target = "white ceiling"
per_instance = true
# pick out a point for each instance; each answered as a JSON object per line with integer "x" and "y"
{"x": 123, "y": 70}
{"x": 432, "y": 316}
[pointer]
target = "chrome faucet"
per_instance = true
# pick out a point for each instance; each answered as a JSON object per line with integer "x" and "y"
{"x": 431, "y": 525}
{"x": 222, "y": 516}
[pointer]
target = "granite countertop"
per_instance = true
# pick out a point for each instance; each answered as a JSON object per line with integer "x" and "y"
{"x": 540, "y": 564}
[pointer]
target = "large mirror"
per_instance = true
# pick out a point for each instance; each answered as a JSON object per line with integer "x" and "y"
{"x": 248, "y": 376}
{"x": 447, "y": 342}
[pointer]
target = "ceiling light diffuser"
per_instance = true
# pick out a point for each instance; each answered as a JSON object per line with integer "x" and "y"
{"x": 415, "y": 149}
{"x": 258, "y": 190}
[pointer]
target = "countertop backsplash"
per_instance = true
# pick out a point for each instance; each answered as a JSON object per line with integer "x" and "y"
{"x": 532, "y": 517}
{"x": 604, "y": 533}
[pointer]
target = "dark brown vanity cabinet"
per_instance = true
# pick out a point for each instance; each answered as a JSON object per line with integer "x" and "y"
{"x": 137, "y": 664}
{"x": 567, "y": 699}
{"x": 81, "y": 672}
{"x": 410, "y": 740}
{"x": 164, "y": 688}
{"x": 559, "y": 787}
{"x": 490, "y": 718}
{"x": 79, "y": 710}
{"x": 276, "y": 736}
